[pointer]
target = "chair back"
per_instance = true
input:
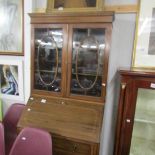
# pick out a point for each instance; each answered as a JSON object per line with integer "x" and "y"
{"x": 2, "y": 141}
{"x": 1, "y": 110}
{"x": 32, "y": 141}
{"x": 10, "y": 121}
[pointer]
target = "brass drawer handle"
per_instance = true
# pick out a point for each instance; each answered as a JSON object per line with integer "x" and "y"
{"x": 75, "y": 148}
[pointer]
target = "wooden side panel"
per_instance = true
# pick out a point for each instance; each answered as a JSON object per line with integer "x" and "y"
{"x": 119, "y": 118}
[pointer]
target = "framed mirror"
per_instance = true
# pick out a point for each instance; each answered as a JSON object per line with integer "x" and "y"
{"x": 74, "y": 5}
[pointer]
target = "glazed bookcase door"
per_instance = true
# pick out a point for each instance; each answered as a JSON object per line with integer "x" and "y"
{"x": 143, "y": 135}
{"x": 48, "y": 59}
{"x": 138, "y": 128}
{"x": 88, "y": 59}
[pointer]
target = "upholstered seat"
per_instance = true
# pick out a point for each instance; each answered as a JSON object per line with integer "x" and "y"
{"x": 10, "y": 121}
{"x": 32, "y": 141}
{"x": 2, "y": 142}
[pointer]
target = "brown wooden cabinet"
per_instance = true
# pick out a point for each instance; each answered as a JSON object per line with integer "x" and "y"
{"x": 136, "y": 114}
{"x": 69, "y": 74}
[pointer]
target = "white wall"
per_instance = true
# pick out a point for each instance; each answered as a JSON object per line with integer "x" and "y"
{"x": 120, "y": 2}
{"x": 25, "y": 58}
{"x": 39, "y": 5}
{"x": 120, "y": 56}
{"x": 27, "y": 41}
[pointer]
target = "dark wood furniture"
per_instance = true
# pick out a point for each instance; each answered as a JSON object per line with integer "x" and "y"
{"x": 69, "y": 74}
{"x": 136, "y": 113}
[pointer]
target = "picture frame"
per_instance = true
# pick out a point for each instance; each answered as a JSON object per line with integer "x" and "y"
{"x": 12, "y": 27}
{"x": 74, "y": 6}
{"x": 144, "y": 46}
{"x": 11, "y": 79}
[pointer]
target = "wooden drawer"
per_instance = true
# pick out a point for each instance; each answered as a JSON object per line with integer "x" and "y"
{"x": 69, "y": 147}
{"x": 60, "y": 152}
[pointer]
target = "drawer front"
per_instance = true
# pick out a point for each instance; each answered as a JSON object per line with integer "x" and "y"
{"x": 64, "y": 146}
{"x": 60, "y": 152}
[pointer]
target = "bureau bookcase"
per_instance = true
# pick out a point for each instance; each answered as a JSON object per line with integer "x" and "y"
{"x": 69, "y": 65}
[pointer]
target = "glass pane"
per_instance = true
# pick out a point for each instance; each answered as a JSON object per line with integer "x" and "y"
{"x": 48, "y": 55}
{"x": 59, "y": 4}
{"x": 143, "y": 137}
{"x": 87, "y": 61}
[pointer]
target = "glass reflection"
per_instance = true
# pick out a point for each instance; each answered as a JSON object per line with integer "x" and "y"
{"x": 143, "y": 138}
{"x": 87, "y": 61}
{"x": 49, "y": 45}
{"x": 48, "y": 49}
{"x": 88, "y": 44}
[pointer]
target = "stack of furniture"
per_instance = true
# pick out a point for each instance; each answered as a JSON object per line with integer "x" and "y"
{"x": 31, "y": 141}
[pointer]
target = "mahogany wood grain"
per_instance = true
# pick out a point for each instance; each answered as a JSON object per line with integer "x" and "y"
{"x": 132, "y": 80}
